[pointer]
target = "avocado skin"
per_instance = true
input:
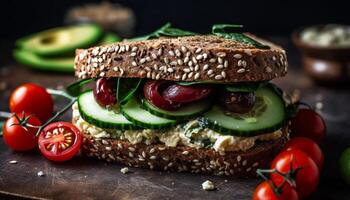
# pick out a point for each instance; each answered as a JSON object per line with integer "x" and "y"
{"x": 96, "y": 35}
{"x": 62, "y": 63}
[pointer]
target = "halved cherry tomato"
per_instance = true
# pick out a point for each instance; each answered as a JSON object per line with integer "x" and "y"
{"x": 152, "y": 91}
{"x": 60, "y": 141}
{"x": 309, "y": 147}
{"x": 17, "y": 137}
{"x": 32, "y": 99}
{"x": 265, "y": 192}
{"x": 185, "y": 94}
{"x": 306, "y": 178}
{"x": 308, "y": 123}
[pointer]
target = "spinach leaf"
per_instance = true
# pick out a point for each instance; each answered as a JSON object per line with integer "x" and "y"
{"x": 165, "y": 30}
{"x": 221, "y": 30}
{"x": 126, "y": 88}
{"x": 75, "y": 89}
{"x": 1, "y": 124}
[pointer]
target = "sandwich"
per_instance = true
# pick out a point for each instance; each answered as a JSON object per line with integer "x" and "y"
{"x": 179, "y": 101}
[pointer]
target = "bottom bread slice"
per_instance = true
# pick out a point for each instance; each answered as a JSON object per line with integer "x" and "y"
{"x": 183, "y": 158}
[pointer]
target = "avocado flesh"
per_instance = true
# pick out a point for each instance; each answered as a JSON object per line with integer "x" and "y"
{"x": 62, "y": 40}
{"x": 61, "y": 64}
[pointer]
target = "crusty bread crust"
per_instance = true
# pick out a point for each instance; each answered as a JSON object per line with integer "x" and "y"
{"x": 191, "y": 58}
{"x": 182, "y": 158}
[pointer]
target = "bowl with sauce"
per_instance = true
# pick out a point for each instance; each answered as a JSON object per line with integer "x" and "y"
{"x": 325, "y": 52}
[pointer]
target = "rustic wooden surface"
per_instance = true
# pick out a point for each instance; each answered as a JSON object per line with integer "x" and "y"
{"x": 83, "y": 178}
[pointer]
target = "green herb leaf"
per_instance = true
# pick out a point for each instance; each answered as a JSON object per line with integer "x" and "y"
{"x": 221, "y": 30}
{"x": 126, "y": 88}
{"x": 165, "y": 30}
{"x": 75, "y": 89}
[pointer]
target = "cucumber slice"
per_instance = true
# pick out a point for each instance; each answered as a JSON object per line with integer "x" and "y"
{"x": 134, "y": 112}
{"x": 93, "y": 113}
{"x": 268, "y": 114}
{"x": 186, "y": 112}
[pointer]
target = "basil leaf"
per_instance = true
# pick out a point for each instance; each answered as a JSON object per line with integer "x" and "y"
{"x": 221, "y": 30}
{"x": 75, "y": 89}
{"x": 165, "y": 30}
{"x": 126, "y": 88}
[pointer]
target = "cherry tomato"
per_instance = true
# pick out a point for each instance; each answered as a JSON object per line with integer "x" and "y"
{"x": 105, "y": 92}
{"x": 308, "y": 123}
{"x": 17, "y": 137}
{"x": 345, "y": 165}
{"x": 185, "y": 94}
{"x": 152, "y": 91}
{"x": 32, "y": 99}
{"x": 306, "y": 178}
{"x": 60, "y": 141}
{"x": 265, "y": 192}
{"x": 309, "y": 147}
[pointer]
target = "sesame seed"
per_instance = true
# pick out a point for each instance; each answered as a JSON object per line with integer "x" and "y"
{"x": 199, "y": 57}
{"x": 170, "y": 70}
{"x": 152, "y": 150}
{"x": 196, "y": 68}
{"x": 148, "y": 75}
{"x": 154, "y": 56}
{"x": 148, "y": 58}
{"x": 134, "y": 49}
{"x": 170, "y": 164}
{"x": 239, "y": 158}
{"x": 220, "y": 67}
{"x": 121, "y": 72}
{"x": 166, "y": 60}
{"x": 121, "y": 49}
{"x": 255, "y": 164}
{"x": 248, "y": 52}
{"x": 155, "y": 67}
{"x": 143, "y": 60}
{"x": 120, "y": 146}
{"x": 268, "y": 69}
{"x": 143, "y": 154}
{"x": 244, "y": 63}
{"x": 244, "y": 163}
{"x": 239, "y": 63}
{"x": 108, "y": 148}
{"x": 134, "y": 63}
{"x": 212, "y": 60}
{"x": 186, "y": 59}
{"x": 205, "y": 67}
{"x": 131, "y": 155}
{"x": 173, "y": 63}
{"x": 40, "y": 173}
{"x": 220, "y": 61}
{"x": 188, "y": 54}
{"x": 198, "y": 50}
{"x": 194, "y": 60}
{"x": 166, "y": 158}
{"x": 196, "y": 76}
{"x": 160, "y": 52}
{"x": 177, "y": 53}
{"x": 161, "y": 68}
{"x": 226, "y": 64}
{"x": 171, "y": 53}
{"x": 221, "y": 54}
{"x": 218, "y": 77}
{"x": 153, "y": 75}
{"x": 13, "y": 162}
{"x": 223, "y": 74}
{"x": 205, "y": 56}
{"x": 127, "y": 47}
{"x": 240, "y": 71}
{"x": 180, "y": 62}
{"x": 158, "y": 76}
{"x": 177, "y": 76}
{"x": 116, "y": 49}
{"x": 111, "y": 156}
{"x": 183, "y": 49}
{"x": 210, "y": 71}
{"x": 148, "y": 69}
{"x": 102, "y": 74}
{"x": 185, "y": 153}
{"x": 131, "y": 149}
{"x": 153, "y": 157}
{"x": 184, "y": 76}
{"x": 274, "y": 58}
{"x": 190, "y": 75}
{"x": 238, "y": 56}
{"x": 187, "y": 70}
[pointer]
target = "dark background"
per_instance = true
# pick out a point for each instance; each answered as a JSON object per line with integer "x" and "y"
{"x": 19, "y": 18}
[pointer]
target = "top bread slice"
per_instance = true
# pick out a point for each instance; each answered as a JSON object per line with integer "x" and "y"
{"x": 190, "y": 58}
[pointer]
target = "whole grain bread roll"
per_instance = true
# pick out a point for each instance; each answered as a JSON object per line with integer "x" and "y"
{"x": 190, "y": 58}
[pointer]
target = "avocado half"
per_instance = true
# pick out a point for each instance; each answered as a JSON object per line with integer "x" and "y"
{"x": 62, "y": 40}
{"x": 60, "y": 64}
